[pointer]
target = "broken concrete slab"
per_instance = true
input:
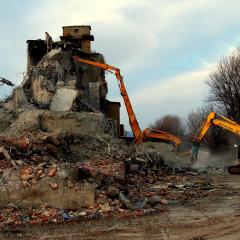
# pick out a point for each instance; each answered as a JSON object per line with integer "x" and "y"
{"x": 56, "y": 122}
{"x": 83, "y": 123}
{"x": 41, "y": 95}
{"x": 40, "y": 193}
{"x": 94, "y": 91}
{"x": 81, "y": 195}
{"x": 52, "y": 53}
{"x": 24, "y": 121}
{"x": 63, "y": 99}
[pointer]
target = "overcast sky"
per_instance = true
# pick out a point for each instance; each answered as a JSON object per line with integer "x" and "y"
{"x": 165, "y": 49}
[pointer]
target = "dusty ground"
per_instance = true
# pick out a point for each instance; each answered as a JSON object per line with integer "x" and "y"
{"x": 214, "y": 217}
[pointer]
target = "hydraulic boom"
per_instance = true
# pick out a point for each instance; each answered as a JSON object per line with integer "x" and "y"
{"x": 217, "y": 120}
{"x": 139, "y": 136}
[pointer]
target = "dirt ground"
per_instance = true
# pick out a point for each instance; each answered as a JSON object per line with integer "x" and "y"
{"x": 214, "y": 217}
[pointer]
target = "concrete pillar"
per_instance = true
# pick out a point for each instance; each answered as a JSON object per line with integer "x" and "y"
{"x": 86, "y": 46}
{"x": 94, "y": 98}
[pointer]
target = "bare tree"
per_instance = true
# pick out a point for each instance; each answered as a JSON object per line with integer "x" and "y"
{"x": 196, "y": 118}
{"x": 224, "y": 84}
{"x": 170, "y": 123}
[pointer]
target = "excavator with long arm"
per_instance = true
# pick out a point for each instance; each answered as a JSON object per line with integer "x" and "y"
{"x": 139, "y": 136}
{"x": 212, "y": 119}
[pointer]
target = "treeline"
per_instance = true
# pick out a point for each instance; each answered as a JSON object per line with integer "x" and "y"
{"x": 223, "y": 98}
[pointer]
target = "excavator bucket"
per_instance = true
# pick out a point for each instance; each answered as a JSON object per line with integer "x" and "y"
{"x": 195, "y": 150}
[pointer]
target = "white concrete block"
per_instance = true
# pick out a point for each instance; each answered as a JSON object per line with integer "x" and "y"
{"x": 63, "y": 99}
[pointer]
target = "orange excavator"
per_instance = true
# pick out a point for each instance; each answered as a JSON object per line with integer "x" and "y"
{"x": 212, "y": 119}
{"x": 139, "y": 136}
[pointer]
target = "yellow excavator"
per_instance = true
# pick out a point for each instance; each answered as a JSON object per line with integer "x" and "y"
{"x": 139, "y": 136}
{"x": 212, "y": 119}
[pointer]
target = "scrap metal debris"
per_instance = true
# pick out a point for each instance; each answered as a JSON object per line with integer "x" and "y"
{"x": 5, "y": 81}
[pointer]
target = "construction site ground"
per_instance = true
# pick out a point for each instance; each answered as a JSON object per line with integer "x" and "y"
{"x": 66, "y": 174}
{"x": 215, "y": 216}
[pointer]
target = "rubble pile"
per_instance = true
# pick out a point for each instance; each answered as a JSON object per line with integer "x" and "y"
{"x": 70, "y": 176}
{"x": 59, "y": 94}
{"x": 60, "y": 155}
{"x": 117, "y": 200}
{"x": 55, "y": 81}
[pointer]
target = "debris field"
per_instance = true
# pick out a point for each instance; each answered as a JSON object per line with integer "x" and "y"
{"x": 61, "y": 155}
{"x": 68, "y": 177}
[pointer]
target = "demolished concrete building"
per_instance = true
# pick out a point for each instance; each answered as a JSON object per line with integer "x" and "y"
{"x": 55, "y": 82}
{"x": 58, "y": 136}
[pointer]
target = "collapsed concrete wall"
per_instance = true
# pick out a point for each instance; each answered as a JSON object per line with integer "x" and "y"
{"x": 46, "y": 190}
{"x": 56, "y": 122}
{"x": 51, "y": 67}
{"x": 82, "y": 123}
{"x": 54, "y": 81}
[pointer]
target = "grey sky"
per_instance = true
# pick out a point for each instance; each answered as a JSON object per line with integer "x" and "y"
{"x": 165, "y": 49}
